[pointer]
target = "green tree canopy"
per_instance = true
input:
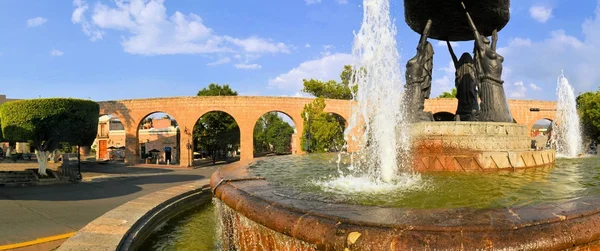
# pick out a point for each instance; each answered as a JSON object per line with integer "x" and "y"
{"x": 326, "y": 131}
{"x": 272, "y": 134}
{"x": 588, "y": 106}
{"x": 331, "y": 89}
{"x": 216, "y": 131}
{"x": 217, "y": 90}
{"x": 46, "y": 123}
{"x": 451, "y": 94}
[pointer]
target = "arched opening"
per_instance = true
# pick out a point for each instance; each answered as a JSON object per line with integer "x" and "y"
{"x": 443, "y": 116}
{"x": 158, "y": 138}
{"x": 110, "y": 139}
{"x": 540, "y": 134}
{"x": 273, "y": 134}
{"x": 216, "y": 139}
{"x": 323, "y": 132}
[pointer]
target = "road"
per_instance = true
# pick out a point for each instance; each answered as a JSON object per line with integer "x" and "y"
{"x": 27, "y": 213}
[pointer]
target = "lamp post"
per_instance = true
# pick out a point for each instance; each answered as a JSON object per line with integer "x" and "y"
{"x": 189, "y": 146}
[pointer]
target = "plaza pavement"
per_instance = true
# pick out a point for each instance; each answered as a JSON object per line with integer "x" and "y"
{"x": 29, "y": 213}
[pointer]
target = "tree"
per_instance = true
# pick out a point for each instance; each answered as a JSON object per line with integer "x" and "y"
{"x": 331, "y": 89}
{"x": 451, "y": 94}
{"x": 217, "y": 90}
{"x": 272, "y": 134}
{"x": 588, "y": 106}
{"x": 326, "y": 132}
{"x": 216, "y": 131}
{"x": 46, "y": 123}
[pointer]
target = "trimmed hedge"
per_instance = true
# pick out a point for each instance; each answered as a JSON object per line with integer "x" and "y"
{"x": 47, "y": 122}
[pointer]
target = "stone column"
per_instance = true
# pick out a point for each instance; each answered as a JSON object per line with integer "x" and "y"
{"x": 246, "y": 140}
{"x": 297, "y": 138}
{"x": 186, "y": 149}
{"x": 132, "y": 152}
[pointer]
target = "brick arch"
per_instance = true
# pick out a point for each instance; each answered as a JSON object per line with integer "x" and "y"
{"x": 247, "y": 109}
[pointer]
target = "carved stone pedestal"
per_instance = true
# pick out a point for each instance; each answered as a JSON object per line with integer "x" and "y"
{"x": 474, "y": 146}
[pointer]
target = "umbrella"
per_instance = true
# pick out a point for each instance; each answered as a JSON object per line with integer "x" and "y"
{"x": 112, "y": 148}
{"x": 154, "y": 151}
{"x": 121, "y": 147}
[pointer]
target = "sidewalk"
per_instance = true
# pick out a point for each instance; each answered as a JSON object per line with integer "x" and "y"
{"x": 29, "y": 213}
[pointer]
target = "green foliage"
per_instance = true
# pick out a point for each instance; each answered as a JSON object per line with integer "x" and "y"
{"x": 451, "y": 94}
{"x": 47, "y": 122}
{"x": 1, "y": 138}
{"x": 216, "y": 131}
{"x": 326, "y": 131}
{"x": 331, "y": 89}
{"x": 217, "y": 90}
{"x": 272, "y": 134}
{"x": 588, "y": 106}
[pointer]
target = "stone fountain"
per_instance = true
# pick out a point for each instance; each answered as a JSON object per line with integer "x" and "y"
{"x": 484, "y": 137}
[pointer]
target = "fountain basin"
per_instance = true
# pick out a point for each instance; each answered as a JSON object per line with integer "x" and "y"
{"x": 474, "y": 146}
{"x": 258, "y": 216}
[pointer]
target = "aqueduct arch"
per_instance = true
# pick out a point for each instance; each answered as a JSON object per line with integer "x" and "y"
{"x": 246, "y": 110}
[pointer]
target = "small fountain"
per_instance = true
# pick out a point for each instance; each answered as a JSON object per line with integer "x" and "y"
{"x": 566, "y": 130}
{"x": 480, "y": 200}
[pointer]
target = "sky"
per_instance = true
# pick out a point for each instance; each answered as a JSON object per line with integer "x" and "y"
{"x": 120, "y": 49}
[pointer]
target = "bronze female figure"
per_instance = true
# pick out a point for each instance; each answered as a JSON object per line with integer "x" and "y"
{"x": 418, "y": 78}
{"x": 488, "y": 64}
{"x": 465, "y": 82}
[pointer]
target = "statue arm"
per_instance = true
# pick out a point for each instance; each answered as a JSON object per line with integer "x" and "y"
{"x": 478, "y": 41}
{"x": 423, "y": 41}
{"x": 454, "y": 59}
{"x": 494, "y": 39}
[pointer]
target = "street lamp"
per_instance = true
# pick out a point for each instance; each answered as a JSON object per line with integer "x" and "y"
{"x": 188, "y": 146}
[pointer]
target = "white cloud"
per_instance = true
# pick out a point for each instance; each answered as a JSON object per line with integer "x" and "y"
{"x": 517, "y": 90}
{"x": 36, "y": 21}
{"x": 220, "y": 61}
{"x": 540, "y": 13}
{"x": 307, "y": 46}
{"x": 150, "y": 31}
{"x": 326, "y": 68}
{"x": 534, "y": 87}
{"x": 541, "y": 61}
{"x": 443, "y": 44}
{"x": 56, "y": 53}
{"x": 445, "y": 83}
{"x": 248, "y": 66}
{"x": 78, "y": 17}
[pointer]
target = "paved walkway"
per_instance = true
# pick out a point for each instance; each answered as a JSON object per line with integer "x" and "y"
{"x": 28, "y": 213}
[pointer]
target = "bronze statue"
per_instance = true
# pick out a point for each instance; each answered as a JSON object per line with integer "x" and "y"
{"x": 418, "y": 79}
{"x": 488, "y": 64}
{"x": 465, "y": 82}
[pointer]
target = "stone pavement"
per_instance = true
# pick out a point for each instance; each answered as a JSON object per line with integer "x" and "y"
{"x": 28, "y": 213}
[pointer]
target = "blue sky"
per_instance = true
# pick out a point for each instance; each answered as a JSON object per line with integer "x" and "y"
{"x": 108, "y": 50}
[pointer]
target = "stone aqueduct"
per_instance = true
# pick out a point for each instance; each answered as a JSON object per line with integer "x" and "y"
{"x": 246, "y": 110}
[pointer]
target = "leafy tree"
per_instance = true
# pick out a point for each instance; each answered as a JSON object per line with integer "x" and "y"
{"x": 588, "y": 106}
{"x": 326, "y": 131}
{"x": 331, "y": 89}
{"x": 451, "y": 94}
{"x": 272, "y": 134}
{"x": 216, "y": 132}
{"x": 217, "y": 90}
{"x": 1, "y": 138}
{"x": 48, "y": 122}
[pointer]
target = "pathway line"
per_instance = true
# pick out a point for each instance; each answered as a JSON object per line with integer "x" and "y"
{"x": 37, "y": 241}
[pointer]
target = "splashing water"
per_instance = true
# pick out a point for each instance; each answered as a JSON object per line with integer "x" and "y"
{"x": 566, "y": 131}
{"x": 377, "y": 123}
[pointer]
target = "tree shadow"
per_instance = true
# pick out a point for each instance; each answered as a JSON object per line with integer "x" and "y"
{"x": 103, "y": 189}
